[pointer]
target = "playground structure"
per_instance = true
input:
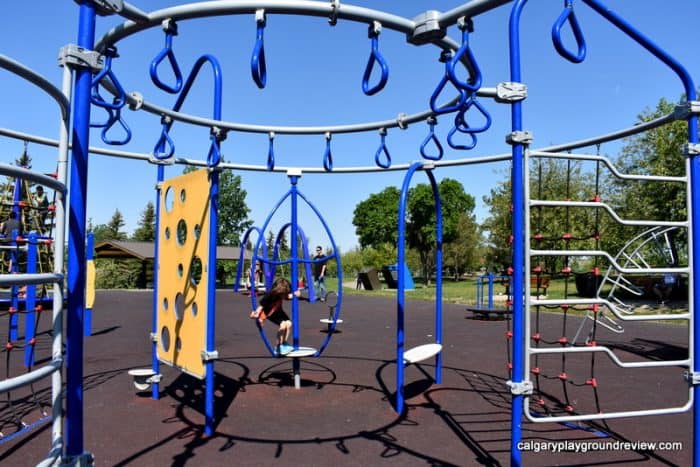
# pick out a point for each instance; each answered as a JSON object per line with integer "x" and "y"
{"x": 183, "y": 311}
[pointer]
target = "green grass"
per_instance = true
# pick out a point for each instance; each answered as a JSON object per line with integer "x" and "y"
{"x": 463, "y": 292}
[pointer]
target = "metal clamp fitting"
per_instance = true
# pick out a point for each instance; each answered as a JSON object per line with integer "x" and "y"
{"x": 107, "y": 7}
{"x": 691, "y": 149}
{"x": 260, "y": 17}
{"x": 153, "y": 335}
{"x": 692, "y": 377}
{"x": 427, "y": 28}
{"x": 209, "y": 356}
{"x": 136, "y": 101}
{"x": 154, "y": 160}
{"x": 374, "y": 29}
{"x": 685, "y": 109}
{"x": 219, "y": 133}
{"x": 401, "y": 121}
{"x": 333, "y": 17}
{"x": 510, "y": 92}
{"x": 524, "y": 388}
{"x": 74, "y": 55}
{"x": 465, "y": 23}
{"x": 519, "y": 137}
{"x": 169, "y": 26}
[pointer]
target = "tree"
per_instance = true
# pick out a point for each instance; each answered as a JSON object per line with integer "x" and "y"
{"x": 376, "y": 218}
{"x": 421, "y": 222}
{"x": 115, "y": 225}
{"x": 655, "y": 152}
{"x": 146, "y": 230}
{"x": 233, "y": 210}
{"x": 460, "y": 254}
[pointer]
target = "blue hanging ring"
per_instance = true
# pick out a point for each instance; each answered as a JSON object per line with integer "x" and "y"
{"x": 115, "y": 117}
{"x": 258, "y": 68}
{"x": 271, "y": 152}
{"x": 164, "y": 148}
{"x": 217, "y": 135}
{"x": 170, "y": 29}
{"x": 386, "y": 163}
{"x": 106, "y": 72}
{"x": 375, "y": 57}
{"x": 460, "y": 118}
{"x": 445, "y": 56}
{"x": 474, "y": 82}
{"x": 463, "y": 147}
{"x": 432, "y": 121}
{"x": 569, "y": 16}
{"x": 327, "y": 156}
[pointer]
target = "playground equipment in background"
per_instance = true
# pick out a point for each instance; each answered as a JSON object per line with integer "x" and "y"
{"x": 485, "y": 303}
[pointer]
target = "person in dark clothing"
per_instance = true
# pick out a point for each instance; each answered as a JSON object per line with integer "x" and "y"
{"x": 320, "y": 274}
{"x": 12, "y": 223}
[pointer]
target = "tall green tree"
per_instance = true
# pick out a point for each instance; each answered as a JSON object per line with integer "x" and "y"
{"x": 233, "y": 210}
{"x": 421, "y": 222}
{"x": 658, "y": 151}
{"x": 146, "y": 230}
{"x": 376, "y": 218}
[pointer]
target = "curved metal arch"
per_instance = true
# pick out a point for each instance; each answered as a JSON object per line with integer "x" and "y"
{"x": 297, "y": 7}
{"x": 400, "y": 293}
{"x": 275, "y": 261}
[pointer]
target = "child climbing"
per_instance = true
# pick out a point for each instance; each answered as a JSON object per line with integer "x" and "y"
{"x": 270, "y": 307}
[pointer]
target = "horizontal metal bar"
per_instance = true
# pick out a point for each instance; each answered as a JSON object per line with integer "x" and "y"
{"x": 26, "y": 379}
{"x": 608, "y": 163}
{"x": 606, "y": 415}
{"x": 611, "y": 211}
{"x": 613, "y": 308}
{"x": 612, "y": 261}
{"x": 26, "y": 174}
{"x": 611, "y": 354}
{"x": 29, "y": 279}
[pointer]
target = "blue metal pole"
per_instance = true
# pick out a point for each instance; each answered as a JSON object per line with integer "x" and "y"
{"x": 76, "y": 241}
{"x": 438, "y": 281}
{"x": 490, "y": 291}
{"x": 90, "y": 255}
{"x": 518, "y": 222}
{"x": 400, "y": 288}
{"x": 155, "y": 363}
{"x": 296, "y": 364}
{"x": 30, "y": 303}
{"x": 211, "y": 299}
{"x": 14, "y": 290}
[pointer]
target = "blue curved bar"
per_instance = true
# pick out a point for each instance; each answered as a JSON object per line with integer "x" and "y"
{"x": 375, "y": 57}
{"x": 465, "y": 147}
{"x": 167, "y": 52}
{"x": 568, "y": 16}
{"x": 339, "y": 266}
{"x": 328, "y": 156}
{"x": 475, "y": 78}
{"x": 258, "y": 67}
{"x": 383, "y": 162}
{"x": 271, "y": 154}
{"x": 165, "y": 140}
{"x": 401, "y": 288}
{"x": 106, "y": 72}
{"x": 431, "y": 138}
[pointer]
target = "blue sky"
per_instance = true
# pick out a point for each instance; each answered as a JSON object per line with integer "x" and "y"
{"x": 314, "y": 78}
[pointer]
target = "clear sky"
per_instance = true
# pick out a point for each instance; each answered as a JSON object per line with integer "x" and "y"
{"x": 314, "y": 78}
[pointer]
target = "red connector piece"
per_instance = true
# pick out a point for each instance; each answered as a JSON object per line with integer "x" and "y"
{"x": 563, "y": 376}
{"x": 592, "y": 382}
{"x": 563, "y": 340}
{"x": 537, "y": 337}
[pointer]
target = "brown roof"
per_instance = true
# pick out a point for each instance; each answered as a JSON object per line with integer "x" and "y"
{"x": 144, "y": 250}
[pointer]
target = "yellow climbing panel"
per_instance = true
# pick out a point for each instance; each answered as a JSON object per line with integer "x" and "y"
{"x": 182, "y": 271}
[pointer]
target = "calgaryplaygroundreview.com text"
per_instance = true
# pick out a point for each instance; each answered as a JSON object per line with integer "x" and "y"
{"x": 589, "y": 446}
